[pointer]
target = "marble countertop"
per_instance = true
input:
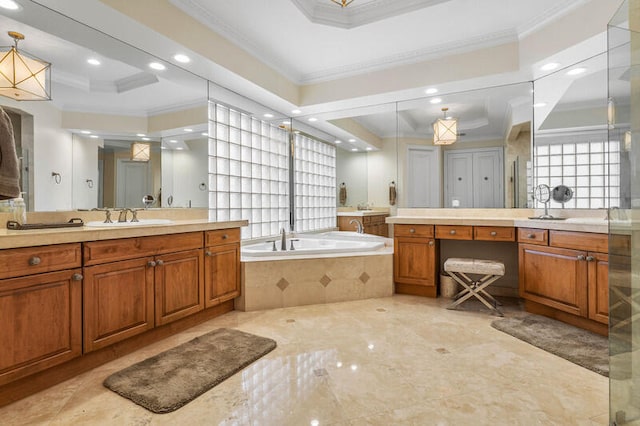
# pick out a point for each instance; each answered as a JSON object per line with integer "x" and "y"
{"x": 40, "y": 237}
{"x": 494, "y": 217}
{"x": 363, "y": 213}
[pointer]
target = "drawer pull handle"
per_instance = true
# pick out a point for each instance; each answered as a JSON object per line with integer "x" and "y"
{"x": 493, "y": 233}
{"x": 531, "y": 236}
{"x": 208, "y": 253}
{"x": 452, "y": 232}
{"x": 160, "y": 262}
{"x": 581, "y": 257}
{"x": 412, "y": 231}
{"x": 431, "y": 243}
{"x": 590, "y": 258}
{"x": 34, "y": 260}
{"x": 225, "y": 236}
{"x": 151, "y": 264}
{"x": 77, "y": 277}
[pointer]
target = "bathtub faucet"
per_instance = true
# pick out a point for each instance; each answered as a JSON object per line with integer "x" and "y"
{"x": 359, "y": 227}
{"x": 283, "y": 244}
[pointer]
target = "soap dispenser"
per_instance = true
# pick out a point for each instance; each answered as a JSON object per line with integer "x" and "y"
{"x": 20, "y": 210}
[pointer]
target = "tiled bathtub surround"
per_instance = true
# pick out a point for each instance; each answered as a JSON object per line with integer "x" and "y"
{"x": 295, "y": 282}
{"x": 400, "y": 360}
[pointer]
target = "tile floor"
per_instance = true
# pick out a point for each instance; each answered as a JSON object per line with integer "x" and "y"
{"x": 399, "y": 360}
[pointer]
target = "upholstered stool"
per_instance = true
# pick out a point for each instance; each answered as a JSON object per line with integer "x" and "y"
{"x": 491, "y": 270}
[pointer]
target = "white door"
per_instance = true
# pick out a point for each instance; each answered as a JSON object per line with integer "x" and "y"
{"x": 474, "y": 178}
{"x": 423, "y": 176}
{"x": 458, "y": 179}
{"x": 133, "y": 183}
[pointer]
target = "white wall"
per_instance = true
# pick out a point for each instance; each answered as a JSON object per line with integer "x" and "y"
{"x": 351, "y": 168}
{"x": 183, "y": 172}
{"x": 85, "y": 167}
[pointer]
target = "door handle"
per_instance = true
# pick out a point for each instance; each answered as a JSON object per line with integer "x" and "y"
{"x": 151, "y": 264}
{"x": 160, "y": 262}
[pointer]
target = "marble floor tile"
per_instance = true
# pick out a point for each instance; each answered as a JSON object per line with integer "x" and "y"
{"x": 398, "y": 360}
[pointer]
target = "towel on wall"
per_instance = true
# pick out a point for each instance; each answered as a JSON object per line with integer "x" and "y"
{"x": 343, "y": 194}
{"x": 9, "y": 168}
{"x": 393, "y": 195}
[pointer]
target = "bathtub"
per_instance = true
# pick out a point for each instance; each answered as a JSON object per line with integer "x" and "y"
{"x": 314, "y": 244}
{"x": 330, "y": 267}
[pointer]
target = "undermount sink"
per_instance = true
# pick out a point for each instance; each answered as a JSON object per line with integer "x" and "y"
{"x": 116, "y": 224}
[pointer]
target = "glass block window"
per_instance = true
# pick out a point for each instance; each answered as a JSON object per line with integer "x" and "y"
{"x": 590, "y": 166}
{"x": 248, "y": 172}
{"x": 315, "y": 184}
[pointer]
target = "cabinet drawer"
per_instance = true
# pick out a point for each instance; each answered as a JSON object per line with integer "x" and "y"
{"x": 494, "y": 233}
{"x": 35, "y": 260}
{"x": 413, "y": 231}
{"x": 533, "y": 236}
{"x": 373, "y": 219}
{"x": 96, "y": 252}
{"x": 222, "y": 236}
{"x": 579, "y": 240}
{"x": 454, "y": 232}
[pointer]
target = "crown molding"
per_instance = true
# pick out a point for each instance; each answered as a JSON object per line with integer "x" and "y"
{"x": 561, "y": 8}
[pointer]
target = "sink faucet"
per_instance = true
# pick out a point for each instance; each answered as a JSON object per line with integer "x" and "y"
{"x": 283, "y": 244}
{"x": 122, "y": 217}
{"x": 359, "y": 227}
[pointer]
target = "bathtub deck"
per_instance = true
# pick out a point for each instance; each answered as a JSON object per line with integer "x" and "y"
{"x": 294, "y": 282}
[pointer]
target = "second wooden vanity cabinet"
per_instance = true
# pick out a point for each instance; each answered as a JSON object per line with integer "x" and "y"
{"x": 569, "y": 275}
{"x": 40, "y": 308}
{"x": 221, "y": 266}
{"x": 415, "y": 260}
{"x": 373, "y": 224}
{"x": 134, "y": 284}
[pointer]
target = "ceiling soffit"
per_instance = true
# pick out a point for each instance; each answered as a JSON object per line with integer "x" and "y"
{"x": 360, "y": 12}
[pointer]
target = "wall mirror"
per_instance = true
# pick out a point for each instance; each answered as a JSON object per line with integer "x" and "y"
{"x": 98, "y": 109}
{"x": 572, "y": 115}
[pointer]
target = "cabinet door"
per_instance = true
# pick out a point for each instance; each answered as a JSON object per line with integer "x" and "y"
{"x": 554, "y": 277}
{"x": 415, "y": 261}
{"x": 599, "y": 287}
{"x": 222, "y": 274}
{"x": 118, "y": 301}
{"x": 40, "y": 322}
{"x": 179, "y": 285}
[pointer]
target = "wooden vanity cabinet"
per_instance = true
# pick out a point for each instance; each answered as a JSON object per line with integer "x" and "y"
{"x": 40, "y": 308}
{"x": 135, "y": 284}
{"x": 373, "y": 224}
{"x": 569, "y": 276}
{"x": 415, "y": 260}
{"x": 221, "y": 266}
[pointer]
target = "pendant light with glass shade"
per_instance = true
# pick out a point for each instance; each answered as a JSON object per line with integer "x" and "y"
{"x": 445, "y": 130}
{"x": 23, "y": 77}
{"x": 342, "y": 3}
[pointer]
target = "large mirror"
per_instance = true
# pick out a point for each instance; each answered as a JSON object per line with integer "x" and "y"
{"x": 572, "y": 115}
{"x": 106, "y": 96}
{"x": 393, "y": 145}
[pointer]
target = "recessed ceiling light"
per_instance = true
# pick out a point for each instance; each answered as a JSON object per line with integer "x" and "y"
{"x": 295, "y": 111}
{"x": 179, "y": 148}
{"x": 184, "y": 59}
{"x": 576, "y": 71}
{"x": 539, "y": 104}
{"x": 297, "y": 132}
{"x": 93, "y": 61}
{"x": 354, "y": 149}
{"x": 313, "y": 119}
{"x": 338, "y": 141}
{"x": 94, "y": 136}
{"x": 9, "y": 4}
{"x": 286, "y": 122}
{"x": 431, "y": 91}
{"x": 85, "y": 132}
{"x": 140, "y": 135}
{"x": 267, "y": 115}
{"x": 550, "y": 66}
{"x": 204, "y": 134}
{"x": 145, "y": 139}
{"x": 352, "y": 140}
{"x": 369, "y": 148}
{"x": 188, "y": 130}
{"x": 436, "y": 100}
{"x": 164, "y": 147}
{"x": 157, "y": 66}
{"x": 173, "y": 141}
